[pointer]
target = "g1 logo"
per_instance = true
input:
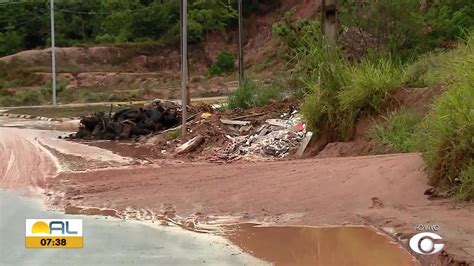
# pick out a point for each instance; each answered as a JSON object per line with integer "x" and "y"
{"x": 426, "y": 243}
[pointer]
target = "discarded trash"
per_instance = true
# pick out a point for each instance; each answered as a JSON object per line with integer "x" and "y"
{"x": 234, "y": 122}
{"x": 205, "y": 115}
{"x": 130, "y": 122}
{"x": 277, "y": 138}
{"x": 264, "y": 133}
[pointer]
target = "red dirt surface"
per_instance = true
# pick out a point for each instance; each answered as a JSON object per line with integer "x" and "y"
{"x": 385, "y": 191}
{"x": 25, "y": 164}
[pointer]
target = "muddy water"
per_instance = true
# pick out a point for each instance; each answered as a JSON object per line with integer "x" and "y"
{"x": 288, "y": 245}
{"x": 127, "y": 148}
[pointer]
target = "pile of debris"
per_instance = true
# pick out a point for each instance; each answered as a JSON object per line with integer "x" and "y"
{"x": 130, "y": 122}
{"x": 276, "y": 138}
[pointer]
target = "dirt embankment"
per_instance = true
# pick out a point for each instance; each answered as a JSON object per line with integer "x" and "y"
{"x": 417, "y": 100}
{"x": 147, "y": 72}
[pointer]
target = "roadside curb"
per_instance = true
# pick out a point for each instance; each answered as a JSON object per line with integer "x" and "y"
{"x": 34, "y": 117}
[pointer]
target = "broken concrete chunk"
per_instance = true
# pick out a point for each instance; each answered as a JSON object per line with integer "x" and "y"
{"x": 190, "y": 145}
{"x": 277, "y": 122}
{"x": 304, "y": 144}
{"x": 235, "y": 122}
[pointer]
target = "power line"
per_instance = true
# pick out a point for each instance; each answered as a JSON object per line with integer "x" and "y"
{"x": 21, "y": 23}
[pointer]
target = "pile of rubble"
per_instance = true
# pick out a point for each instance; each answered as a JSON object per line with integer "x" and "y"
{"x": 262, "y": 133}
{"x": 269, "y": 132}
{"x": 130, "y": 122}
{"x": 276, "y": 138}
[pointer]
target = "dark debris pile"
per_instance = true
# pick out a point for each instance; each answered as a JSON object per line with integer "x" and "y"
{"x": 130, "y": 122}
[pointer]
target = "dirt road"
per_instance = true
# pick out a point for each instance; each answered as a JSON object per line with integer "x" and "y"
{"x": 384, "y": 191}
{"x": 25, "y": 164}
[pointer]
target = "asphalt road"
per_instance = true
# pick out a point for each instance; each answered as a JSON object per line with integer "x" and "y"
{"x": 110, "y": 241}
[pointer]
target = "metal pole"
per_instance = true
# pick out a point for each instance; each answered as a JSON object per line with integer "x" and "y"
{"x": 184, "y": 64}
{"x": 241, "y": 50}
{"x": 53, "y": 55}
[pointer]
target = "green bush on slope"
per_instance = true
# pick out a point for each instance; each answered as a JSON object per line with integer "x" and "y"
{"x": 397, "y": 131}
{"x": 447, "y": 134}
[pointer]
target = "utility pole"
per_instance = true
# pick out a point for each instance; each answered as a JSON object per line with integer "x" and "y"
{"x": 53, "y": 55}
{"x": 184, "y": 63}
{"x": 330, "y": 21}
{"x": 241, "y": 50}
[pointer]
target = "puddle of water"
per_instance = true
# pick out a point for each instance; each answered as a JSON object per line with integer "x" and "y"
{"x": 293, "y": 245}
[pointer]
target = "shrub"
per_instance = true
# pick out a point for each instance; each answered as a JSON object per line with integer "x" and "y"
{"x": 370, "y": 85}
{"x": 251, "y": 95}
{"x": 446, "y": 135}
{"x": 450, "y": 20}
{"x": 106, "y": 38}
{"x": 396, "y": 132}
{"x": 395, "y": 24}
{"x": 224, "y": 64}
{"x": 420, "y": 73}
{"x": 442, "y": 68}
{"x": 339, "y": 93}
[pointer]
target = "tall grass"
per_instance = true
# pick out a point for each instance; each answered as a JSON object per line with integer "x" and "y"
{"x": 447, "y": 133}
{"x": 370, "y": 85}
{"x": 338, "y": 93}
{"x": 441, "y": 68}
{"x": 397, "y": 132}
{"x": 250, "y": 94}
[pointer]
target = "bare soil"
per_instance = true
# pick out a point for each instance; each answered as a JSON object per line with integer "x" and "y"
{"x": 383, "y": 191}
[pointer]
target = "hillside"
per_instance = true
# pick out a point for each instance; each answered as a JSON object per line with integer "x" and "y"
{"x": 147, "y": 71}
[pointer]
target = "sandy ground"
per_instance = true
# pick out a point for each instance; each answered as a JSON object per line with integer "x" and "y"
{"x": 382, "y": 191}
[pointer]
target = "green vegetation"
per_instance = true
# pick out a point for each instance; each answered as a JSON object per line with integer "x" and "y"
{"x": 369, "y": 87}
{"x": 446, "y": 135}
{"x": 25, "y": 25}
{"x": 397, "y": 132}
{"x": 224, "y": 64}
{"x": 174, "y": 134}
{"x": 404, "y": 29}
{"x": 337, "y": 93}
{"x": 43, "y": 95}
{"x": 250, "y": 94}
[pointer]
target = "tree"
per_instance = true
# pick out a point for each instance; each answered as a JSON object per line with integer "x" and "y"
{"x": 11, "y": 42}
{"x": 212, "y": 14}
